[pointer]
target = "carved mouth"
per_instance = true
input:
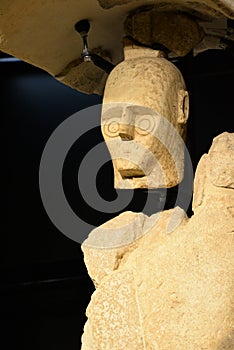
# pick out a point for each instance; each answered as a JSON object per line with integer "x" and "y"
{"x": 131, "y": 173}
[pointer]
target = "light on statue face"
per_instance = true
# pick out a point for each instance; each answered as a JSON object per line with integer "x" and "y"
{"x": 144, "y": 120}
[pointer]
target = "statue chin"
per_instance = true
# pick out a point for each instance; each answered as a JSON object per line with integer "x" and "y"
{"x": 133, "y": 180}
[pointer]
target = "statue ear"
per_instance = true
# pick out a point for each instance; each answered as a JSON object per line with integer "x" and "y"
{"x": 183, "y": 106}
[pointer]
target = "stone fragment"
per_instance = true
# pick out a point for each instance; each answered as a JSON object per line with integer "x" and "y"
{"x": 198, "y": 7}
{"x": 215, "y": 174}
{"x": 221, "y": 169}
{"x": 177, "y": 32}
{"x": 116, "y": 237}
{"x": 174, "y": 290}
{"x": 83, "y": 76}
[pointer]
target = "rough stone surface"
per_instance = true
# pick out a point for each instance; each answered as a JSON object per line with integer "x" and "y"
{"x": 84, "y": 76}
{"x": 178, "y": 32}
{"x": 41, "y": 32}
{"x": 196, "y": 7}
{"x": 118, "y": 237}
{"x": 173, "y": 290}
{"x": 121, "y": 235}
{"x": 221, "y": 169}
{"x": 122, "y": 316}
{"x": 144, "y": 120}
{"x": 216, "y": 171}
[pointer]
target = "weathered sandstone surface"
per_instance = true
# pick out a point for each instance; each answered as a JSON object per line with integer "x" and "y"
{"x": 163, "y": 289}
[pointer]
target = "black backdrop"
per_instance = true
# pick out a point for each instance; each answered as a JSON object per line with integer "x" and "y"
{"x": 44, "y": 284}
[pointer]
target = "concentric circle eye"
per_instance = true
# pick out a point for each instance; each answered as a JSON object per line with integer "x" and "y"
{"x": 111, "y": 127}
{"x": 145, "y": 124}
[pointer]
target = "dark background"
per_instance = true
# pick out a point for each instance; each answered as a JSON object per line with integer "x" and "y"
{"x": 44, "y": 284}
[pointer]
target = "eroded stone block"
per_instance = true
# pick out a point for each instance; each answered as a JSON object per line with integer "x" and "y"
{"x": 175, "y": 290}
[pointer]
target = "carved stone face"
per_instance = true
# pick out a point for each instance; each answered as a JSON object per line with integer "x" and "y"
{"x": 145, "y": 109}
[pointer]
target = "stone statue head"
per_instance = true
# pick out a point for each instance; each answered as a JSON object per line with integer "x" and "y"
{"x": 144, "y": 115}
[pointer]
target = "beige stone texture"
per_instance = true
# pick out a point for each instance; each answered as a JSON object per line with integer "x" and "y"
{"x": 144, "y": 116}
{"x": 119, "y": 237}
{"x": 84, "y": 77}
{"x": 198, "y": 7}
{"x": 178, "y": 32}
{"x": 173, "y": 290}
{"x": 41, "y": 32}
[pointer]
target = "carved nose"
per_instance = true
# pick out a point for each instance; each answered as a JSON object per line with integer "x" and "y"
{"x": 127, "y": 128}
